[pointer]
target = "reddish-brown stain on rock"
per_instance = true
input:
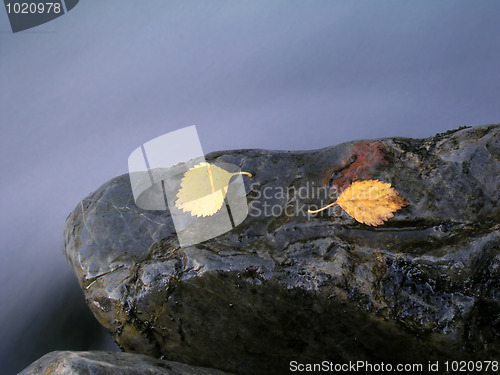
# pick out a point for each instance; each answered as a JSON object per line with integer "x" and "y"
{"x": 360, "y": 164}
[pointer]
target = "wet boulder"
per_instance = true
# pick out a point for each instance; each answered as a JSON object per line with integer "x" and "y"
{"x": 285, "y": 285}
{"x": 109, "y": 363}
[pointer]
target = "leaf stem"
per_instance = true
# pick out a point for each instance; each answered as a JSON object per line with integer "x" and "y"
{"x": 247, "y": 173}
{"x": 322, "y": 209}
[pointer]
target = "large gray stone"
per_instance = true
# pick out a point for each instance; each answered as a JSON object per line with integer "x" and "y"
{"x": 110, "y": 363}
{"x": 286, "y": 286}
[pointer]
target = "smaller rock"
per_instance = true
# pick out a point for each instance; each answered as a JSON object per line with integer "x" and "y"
{"x": 110, "y": 363}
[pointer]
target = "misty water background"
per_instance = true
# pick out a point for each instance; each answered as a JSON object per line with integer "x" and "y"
{"x": 79, "y": 93}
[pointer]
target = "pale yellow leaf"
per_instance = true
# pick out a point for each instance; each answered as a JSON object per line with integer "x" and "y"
{"x": 203, "y": 189}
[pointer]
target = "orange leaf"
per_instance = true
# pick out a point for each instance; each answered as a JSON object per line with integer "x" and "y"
{"x": 370, "y": 202}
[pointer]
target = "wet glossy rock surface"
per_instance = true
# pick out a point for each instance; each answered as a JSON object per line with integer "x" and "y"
{"x": 109, "y": 363}
{"x": 286, "y": 286}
